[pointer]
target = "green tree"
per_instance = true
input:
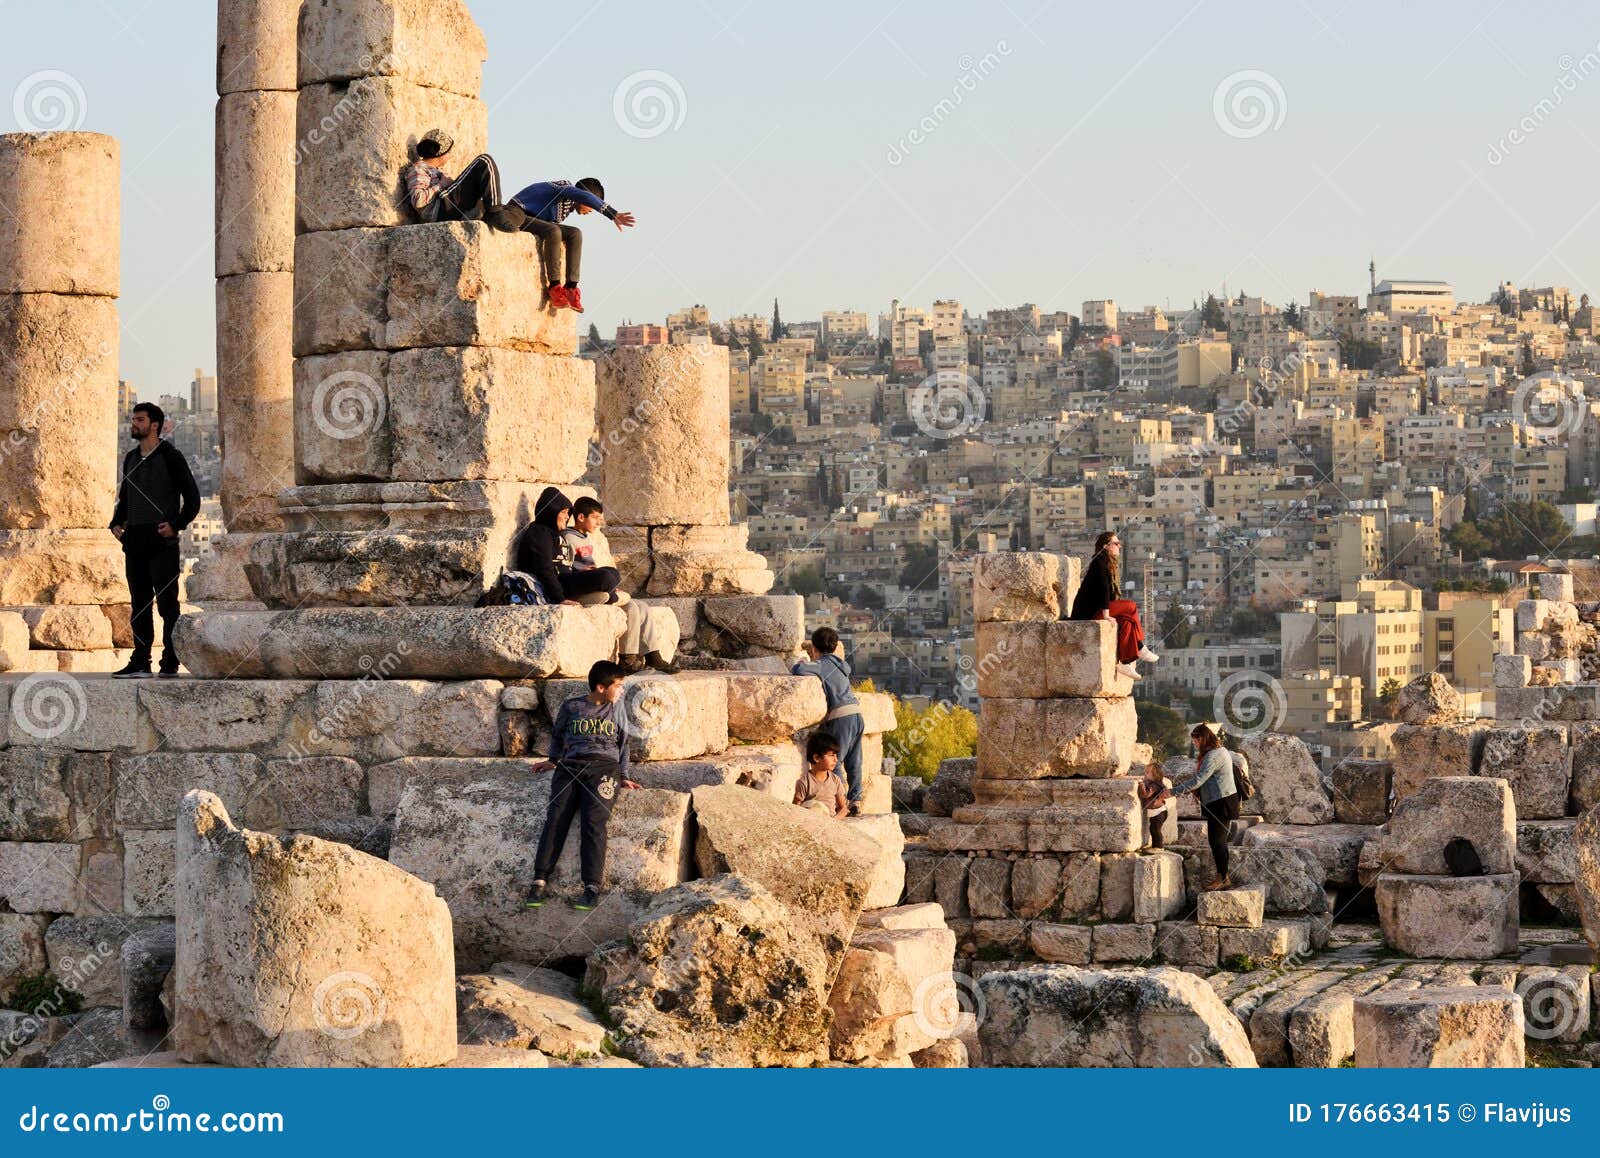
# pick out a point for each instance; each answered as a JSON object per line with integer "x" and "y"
{"x": 868, "y": 598}
{"x": 1175, "y": 631}
{"x": 1162, "y": 728}
{"x": 805, "y": 581}
{"x": 594, "y": 337}
{"x": 778, "y": 331}
{"x": 921, "y": 565}
{"x": 1389, "y": 693}
{"x": 922, "y": 740}
{"x": 758, "y": 348}
{"x": 1105, "y": 369}
{"x": 1212, "y": 316}
{"x": 1291, "y": 316}
{"x": 824, "y": 484}
{"x": 1516, "y": 530}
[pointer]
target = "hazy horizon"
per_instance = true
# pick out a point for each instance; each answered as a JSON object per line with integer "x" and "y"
{"x": 1061, "y": 157}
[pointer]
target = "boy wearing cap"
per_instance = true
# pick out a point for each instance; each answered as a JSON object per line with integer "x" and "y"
{"x": 547, "y": 204}
{"x": 435, "y": 197}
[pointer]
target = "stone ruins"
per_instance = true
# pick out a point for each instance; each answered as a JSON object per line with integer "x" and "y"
{"x": 314, "y": 850}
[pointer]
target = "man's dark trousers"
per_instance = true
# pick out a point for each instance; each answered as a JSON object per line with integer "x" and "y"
{"x": 589, "y": 789}
{"x": 152, "y": 564}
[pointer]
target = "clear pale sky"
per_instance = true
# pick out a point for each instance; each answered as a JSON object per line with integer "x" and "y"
{"x": 1084, "y": 157}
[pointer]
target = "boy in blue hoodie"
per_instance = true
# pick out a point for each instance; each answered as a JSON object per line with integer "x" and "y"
{"x": 589, "y": 756}
{"x": 843, "y": 721}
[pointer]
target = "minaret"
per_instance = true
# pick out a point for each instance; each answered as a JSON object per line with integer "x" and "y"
{"x": 1372, "y": 275}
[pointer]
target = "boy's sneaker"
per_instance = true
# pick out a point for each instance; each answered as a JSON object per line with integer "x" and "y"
{"x": 133, "y": 670}
{"x": 574, "y": 299}
{"x": 855, "y": 808}
{"x": 537, "y": 895}
{"x": 589, "y": 901}
{"x": 558, "y": 297}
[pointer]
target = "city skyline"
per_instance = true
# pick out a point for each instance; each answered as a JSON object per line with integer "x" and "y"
{"x": 1191, "y": 149}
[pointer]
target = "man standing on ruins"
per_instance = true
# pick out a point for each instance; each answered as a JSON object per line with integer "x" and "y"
{"x": 156, "y": 499}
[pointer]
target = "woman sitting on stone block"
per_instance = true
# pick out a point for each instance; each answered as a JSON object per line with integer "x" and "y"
{"x": 434, "y": 196}
{"x": 1100, "y": 597}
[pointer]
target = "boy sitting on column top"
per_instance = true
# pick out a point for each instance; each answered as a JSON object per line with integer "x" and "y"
{"x": 547, "y": 205}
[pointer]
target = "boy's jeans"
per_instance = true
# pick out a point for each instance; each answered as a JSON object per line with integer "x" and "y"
{"x": 848, "y": 730}
{"x": 588, "y": 789}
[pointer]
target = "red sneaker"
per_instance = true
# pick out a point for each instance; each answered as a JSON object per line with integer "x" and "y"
{"x": 558, "y": 297}
{"x": 575, "y": 299}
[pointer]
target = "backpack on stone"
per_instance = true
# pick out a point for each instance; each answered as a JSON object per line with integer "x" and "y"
{"x": 513, "y": 588}
{"x": 1241, "y": 776}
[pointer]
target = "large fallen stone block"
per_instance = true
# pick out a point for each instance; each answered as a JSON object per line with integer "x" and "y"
{"x": 1294, "y": 879}
{"x": 1289, "y": 788}
{"x": 901, "y": 998}
{"x": 717, "y": 972}
{"x": 868, "y": 1000}
{"x": 1232, "y": 908}
{"x": 406, "y": 642}
{"x": 428, "y": 42}
{"x": 759, "y": 623}
{"x": 818, "y": 867}
{"x": 44, "y": 251}
{"x": 1055, "y": 1015}
{"x": 1422, "y": 753}
{"x": 1476, "y": 809}
{"x": 1467, "y": 1027}
{"x": 1361, "y": 791}
{"x": 1547, "y": 851}
{"x": 355, "y": 139}
{"x": 1026, "y": 739}
{"x": 88, "y": 951}
{"x": 951, "y": 786}
{"x": 303, "y": 952}
{"x": 520, "y": 1006}
{"x": 1449, "y": 917}
{"x": 22, "y": 951}
{"x": 1023, "y": 586}
{"x": 664, "y": 430}
{"x": 475, "y": 842}
{"x": 1336, "y": 846}
{"x": 766, "y": 709}
{"x": 1534, "y": 759}
{"x": 1428, "y": 699}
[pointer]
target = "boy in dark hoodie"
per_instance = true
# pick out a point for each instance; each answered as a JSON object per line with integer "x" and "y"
{"x": 843, "y": 721}
{"x": 589, "y": 756}
{"x": 544, "y": 552}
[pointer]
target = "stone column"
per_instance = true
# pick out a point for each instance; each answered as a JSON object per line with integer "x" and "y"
{"x": 255, "y": 178}
{"x": 60, "y": 568}
{"x": 434, "y": 394}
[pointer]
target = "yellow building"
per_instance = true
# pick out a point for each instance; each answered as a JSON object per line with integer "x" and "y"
{"x": 1318, "y": 699}
{"x": 1464, "y": 635}
{"x": 1375, "y": 632}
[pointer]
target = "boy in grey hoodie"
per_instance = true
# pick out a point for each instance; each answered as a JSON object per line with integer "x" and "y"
{"x": 589, "y": 756}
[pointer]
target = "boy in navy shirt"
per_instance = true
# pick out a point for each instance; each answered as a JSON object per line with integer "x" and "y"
{"x": 589, "y": 756}
{"x": 547, "y": 205}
